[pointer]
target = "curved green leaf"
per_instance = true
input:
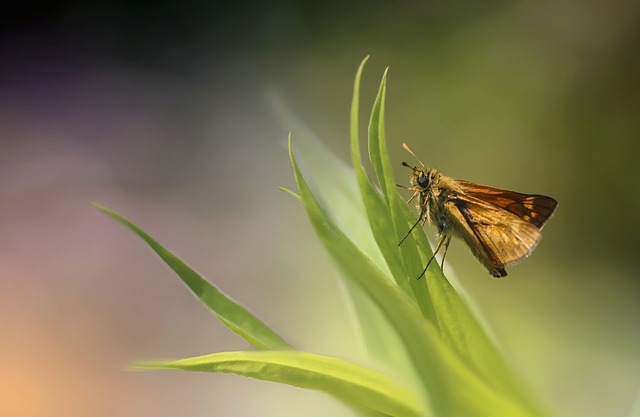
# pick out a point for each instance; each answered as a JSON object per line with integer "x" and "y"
{"x": 353, "y": 384}
{"x": 229, "y": 312}
{"x": 458, "y": 324}
{"x": 375, "y": 206}
{"x": 451, "y": 388}
{"x": 396, "y": 226}
{"x": 336, "y": 185}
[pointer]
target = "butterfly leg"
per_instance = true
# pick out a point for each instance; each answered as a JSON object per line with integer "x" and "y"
{"x": 415, "y": 192}
{"x": 444, "y": 254}
{"x": 409, "y": 232}
{"x": 421, "y": 220}
{"x": 424, "y": 271}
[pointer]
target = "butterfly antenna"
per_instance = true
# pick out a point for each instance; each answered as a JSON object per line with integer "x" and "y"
{"x": 404, "y": 145}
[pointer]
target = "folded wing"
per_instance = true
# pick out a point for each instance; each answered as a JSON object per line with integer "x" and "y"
{"x": 501, "y": 227}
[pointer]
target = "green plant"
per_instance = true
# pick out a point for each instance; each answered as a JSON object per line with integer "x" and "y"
{"x": 441, "y": 360}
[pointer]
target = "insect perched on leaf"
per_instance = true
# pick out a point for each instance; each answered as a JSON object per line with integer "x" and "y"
{"x": 501, "y": 227}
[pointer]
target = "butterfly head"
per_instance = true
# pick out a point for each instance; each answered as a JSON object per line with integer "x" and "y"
{"x": 421, "y": 178}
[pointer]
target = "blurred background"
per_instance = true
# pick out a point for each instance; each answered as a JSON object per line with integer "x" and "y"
{"x": 167, "y": 112}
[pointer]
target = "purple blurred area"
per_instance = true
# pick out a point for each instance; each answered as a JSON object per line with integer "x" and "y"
{"x": 161, "y": 111}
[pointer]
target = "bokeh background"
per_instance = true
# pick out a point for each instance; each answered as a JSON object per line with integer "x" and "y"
{"x": 171, "y": 113}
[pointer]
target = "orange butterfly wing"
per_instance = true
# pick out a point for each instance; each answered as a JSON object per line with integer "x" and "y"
{"x": 501, "y": 227}
{"x": 533, "y": 208}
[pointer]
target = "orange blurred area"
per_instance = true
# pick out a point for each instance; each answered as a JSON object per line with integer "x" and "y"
{"x": 173, "y": 116}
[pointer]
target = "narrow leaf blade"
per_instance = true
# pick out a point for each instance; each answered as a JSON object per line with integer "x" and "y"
{"x": 452, "y": 389}
{"x": 230, "y": 313}
{"x": 353, "y": 384}
{"x": 397, "y": 222}
{"x": 458, "y": 324}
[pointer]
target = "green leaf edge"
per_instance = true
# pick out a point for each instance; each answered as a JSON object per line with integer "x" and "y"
{"x": 233, "y": 315}
{"x": 450, "y": 388}
{"x": 398, "y": 221}
{"x": 375, "y": 206}
{"x": 351, "y": 383}
{"x": 194, "y": 281}
{"x": 441, "y": 302}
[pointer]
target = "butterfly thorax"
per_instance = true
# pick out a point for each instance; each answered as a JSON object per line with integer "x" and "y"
{"x": 433, "y": 190}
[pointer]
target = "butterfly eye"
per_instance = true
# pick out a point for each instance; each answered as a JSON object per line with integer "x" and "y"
{"x": 423, "y": 181}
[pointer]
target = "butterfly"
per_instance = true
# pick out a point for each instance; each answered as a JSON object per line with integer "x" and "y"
{"x": 500, "y": 227}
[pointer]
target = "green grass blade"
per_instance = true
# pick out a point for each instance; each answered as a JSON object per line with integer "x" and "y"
{"x": 376, "y": 138}
{"x": 396, "y": 208}
{"x": 458, "y": 324}
{"x": 451, "y": 388}
{"x": 229, "y": 312}
{"x": 333, "y": 179}
{"x": 353, "y": 384}
{"x": 291, "y": 193}
{"x": 461, "y": 329}
{"x": 337, "y": 186}
{"x": 375, "y": 206}
{"x": 379, "y": 338}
